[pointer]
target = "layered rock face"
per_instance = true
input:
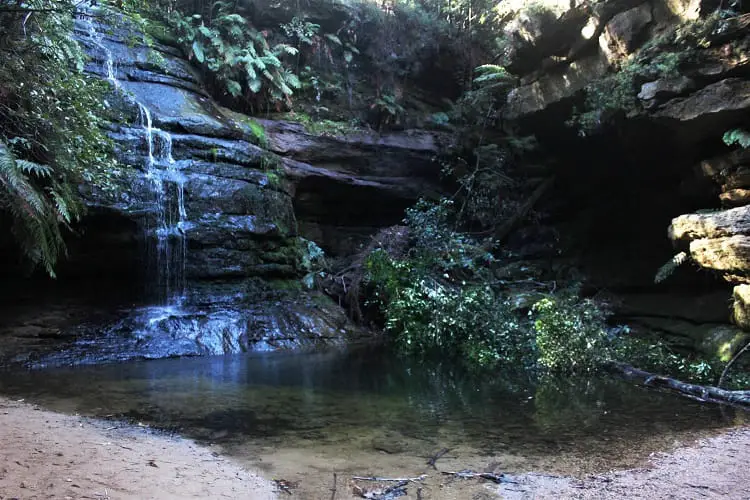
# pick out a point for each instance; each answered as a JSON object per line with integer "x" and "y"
{"x": 618, "y": 188}
{"x": 211, "y": 204}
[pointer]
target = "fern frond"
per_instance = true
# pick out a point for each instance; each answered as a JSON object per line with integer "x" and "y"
{"x": 292, "y": 80}
{"x": 34, "y": 220}
{"x": 29, "y": 167}
{"x": 670, "y": 267}
{"x": 737, "y": 136}
{"x": 490, "y": 68}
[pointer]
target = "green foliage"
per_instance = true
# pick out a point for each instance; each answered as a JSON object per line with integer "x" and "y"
{"x": 313, "y": 262}
{"x": 429, "y": 315}
{"x": 663, "y": 57}
{"x": 387, "y": 109}
{"x": 303, "y": 32}
{"x": 438, "y": 300}
{"x": 238, "y": 56}
{"x": 658, "y": 357}
{"x": 322, "y": 127}
{"x": 35, "y": 212}
{"x": 441, "y": 298}
{"x": 51, "y": 115}
{"x": 737, "y": 136}
{"x": 570, "y": 335}
{"x": 491, "y": 77}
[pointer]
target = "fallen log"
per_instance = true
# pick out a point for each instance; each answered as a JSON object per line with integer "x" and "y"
{"x": 702, "y": 393}
{"x": 509, "y": 225}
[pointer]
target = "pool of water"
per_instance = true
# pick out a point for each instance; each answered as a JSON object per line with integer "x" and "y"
{"x": 364, "y": 411}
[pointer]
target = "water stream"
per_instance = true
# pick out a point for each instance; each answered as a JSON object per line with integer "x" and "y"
{"x": 167, "y": 185}
{"x": 364, "y": 411}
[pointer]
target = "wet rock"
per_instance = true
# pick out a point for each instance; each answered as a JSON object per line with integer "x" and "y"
{"x": 722, "y": 342}
{"x": 232, "y": 321}
{"x": 389, "y": 442}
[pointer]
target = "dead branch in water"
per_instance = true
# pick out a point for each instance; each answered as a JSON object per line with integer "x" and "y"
{"x": 389, "y": 493}
{"x": 702, "y": 393}
{"x": 470, "y": 474}
{"x": 731, "y": 362}
{"x": 437, "y": 456}
{"x": 333, "y": 490}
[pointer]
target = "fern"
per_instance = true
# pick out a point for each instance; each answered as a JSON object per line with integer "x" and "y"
{"x": 35, "y": 217}
{"x": 670, "y": 267}
{"x": 737, "y": 136}
{"x": 491, "y": 76}
{"x": 238, "y": 56}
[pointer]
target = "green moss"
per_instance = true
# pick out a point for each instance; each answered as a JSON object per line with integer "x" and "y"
{"x": 286, "y": 285}
{"x": 161, "y": 33}
{"x": 156, "y": 59}
{"x": 256, "y": 130}
{"x": 320, "y": 127}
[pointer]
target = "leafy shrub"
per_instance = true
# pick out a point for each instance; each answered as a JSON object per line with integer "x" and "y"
{"x": 313, "y": 262}
{"x": 51, "y": 135}
{"x": 570, "y": 335}
{"x": 238, "y": 56}
{"x": 429, "y": 316}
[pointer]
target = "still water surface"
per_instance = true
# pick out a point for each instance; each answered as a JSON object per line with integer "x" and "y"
{"x": 363, "y": 411}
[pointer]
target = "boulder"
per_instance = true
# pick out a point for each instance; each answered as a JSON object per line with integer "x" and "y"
{"x": 741, "y": 306}
{"x": 730, "y": 254}
{"x": 627, "y": 30}
{"x": 709, "y": 111}
{"x": 666, "y": 88}
{"x": 555, "y": 87}
{"x": 716, "y": 224}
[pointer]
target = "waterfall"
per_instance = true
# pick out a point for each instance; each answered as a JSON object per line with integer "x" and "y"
{"x": 166, "y": 234}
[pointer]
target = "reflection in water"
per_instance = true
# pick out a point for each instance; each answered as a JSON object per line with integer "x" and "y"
{"x": 365, "y": 404}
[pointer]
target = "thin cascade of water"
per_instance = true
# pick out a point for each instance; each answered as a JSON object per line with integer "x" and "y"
{"x": 164, "y": 176}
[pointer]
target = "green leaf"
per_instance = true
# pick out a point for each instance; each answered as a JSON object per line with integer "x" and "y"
{"x": 292, "y": 80}
{"x": 333, "y": 38}
{"x": 234, "y": 88}
{"x": 205, "y": 31}
{"x": 198, "y": 51}
{"x": 254, "y": 85}
{"x": 271, "y": 60}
